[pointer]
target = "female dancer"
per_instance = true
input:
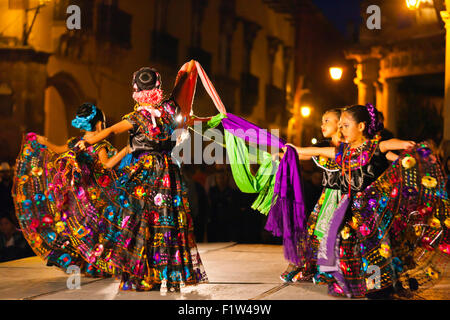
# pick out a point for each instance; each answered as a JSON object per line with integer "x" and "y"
{"x": 44, "y": 176}
{"x": 361, "y": 160}
{"x": 327, "y": 201}
{"x": 156, "y": 246}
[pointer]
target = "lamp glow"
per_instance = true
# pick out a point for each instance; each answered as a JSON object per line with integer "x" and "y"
{"x": 413, "y": 4}
{"x": 336, "y": 73}
{"x": 305, "y": 111}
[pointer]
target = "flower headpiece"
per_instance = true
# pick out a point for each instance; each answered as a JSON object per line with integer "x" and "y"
{"x": 375, "y": 125}
{"x": 84, "y": 123}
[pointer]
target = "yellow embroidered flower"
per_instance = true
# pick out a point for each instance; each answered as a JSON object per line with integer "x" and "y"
{"x": 23, "y": 179}
{"x": 27, "y": 151}
{"x": 35, "y": 239}
{"x": 345, "y": 233}
{"x": 447, "y": 222}
{"x": 429, "y": 182}
{"x": 354, "y": 223}
{"x": 95, "y": 194}
{"x": 385, "y": 251}
{"x": 139, "y": 191}
{"x": 60, "y": 226}
{"x": 323, "y": 161}
{"x": 408, "y": 162}
{"x": 148, "y": 162}
{"x": 418, "y": 230}
{"x": 433, "y": 274}
{"x": 322, "y": 198}
{"x": 434, "y": 222}
{"x": 36, "y": 171}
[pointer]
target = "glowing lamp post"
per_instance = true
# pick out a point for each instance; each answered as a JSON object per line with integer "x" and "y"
{"x": 305, "y": 111}
{"x": 413, "y": 4}
{"x": 336, "y": 73}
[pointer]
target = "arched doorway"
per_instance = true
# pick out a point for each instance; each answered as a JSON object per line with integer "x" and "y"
{"x": 63, "y": 95}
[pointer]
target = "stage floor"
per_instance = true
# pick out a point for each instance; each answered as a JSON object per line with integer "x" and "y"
{"x": 235, "y": 272}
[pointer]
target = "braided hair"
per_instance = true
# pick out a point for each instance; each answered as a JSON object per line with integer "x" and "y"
{"x": 88, "y": 115}
{"x": 367, "y": 114}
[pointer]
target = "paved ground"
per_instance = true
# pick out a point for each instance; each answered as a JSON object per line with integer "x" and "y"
{"x": 235, "y": 271}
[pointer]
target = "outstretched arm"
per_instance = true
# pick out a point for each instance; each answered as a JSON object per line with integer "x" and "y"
{"x": 395, "y": 144}
{"x": 53, "y": 147}
{"x": 109, "y": 163}
{"x": 119, "y": 127}
{"x": 308, "y": 152}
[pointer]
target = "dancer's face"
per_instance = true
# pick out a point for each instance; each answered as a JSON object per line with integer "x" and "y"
{"x": 330, "y": 124}
{"x": 352, "y": 131}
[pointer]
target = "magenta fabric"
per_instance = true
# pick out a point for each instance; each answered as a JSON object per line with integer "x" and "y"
{"x": 286, "y": 217}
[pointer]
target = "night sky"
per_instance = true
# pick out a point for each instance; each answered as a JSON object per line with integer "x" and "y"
{"x": 340, "y": 12}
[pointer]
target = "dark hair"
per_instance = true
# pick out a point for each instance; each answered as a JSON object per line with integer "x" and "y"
{"x": 367, "y": 114}
{"x": 336, "y": 111}
{"x": 87, "y": 117}
{"x": 146, "y": 79}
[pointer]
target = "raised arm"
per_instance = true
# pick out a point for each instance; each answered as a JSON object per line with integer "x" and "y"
{"x": 395, "y": 144}
{"x": 184, "y": 88}
{"x": 53, "y": 147}
{"x": 119, "y": 127}
{"x": 109, "y": 163}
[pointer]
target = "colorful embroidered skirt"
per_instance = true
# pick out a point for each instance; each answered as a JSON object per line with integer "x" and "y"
{"x": 51, "y": 215}
{"x": 401, "y": 229}
{"x": 156, "y": 246}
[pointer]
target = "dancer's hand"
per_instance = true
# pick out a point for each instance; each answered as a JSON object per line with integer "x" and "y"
{"x": 408, "y": 145}
{"x": 190, "y": 66}
{"x": 82, "y": 145}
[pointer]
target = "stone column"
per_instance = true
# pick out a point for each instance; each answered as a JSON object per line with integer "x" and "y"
{"x": 379, "y": 95}
{"x": 389, "y": 104}
{"x": 367, "y": 68}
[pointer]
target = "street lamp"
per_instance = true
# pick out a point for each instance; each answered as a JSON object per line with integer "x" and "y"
{"x": 336, "y": 73}
{"x": 413, "y": 4}
{"x": 305, "y": 111}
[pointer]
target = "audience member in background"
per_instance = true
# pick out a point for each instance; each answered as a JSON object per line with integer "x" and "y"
{"x": 198, "y": 203}
{"x": 223, "y": 216}
{"x": 6, "y": 200}
{"x": 12, "y": 243}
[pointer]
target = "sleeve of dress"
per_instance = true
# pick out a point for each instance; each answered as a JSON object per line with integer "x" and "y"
{"x": 132, "y": 118}
{"x": 173, "y": 114}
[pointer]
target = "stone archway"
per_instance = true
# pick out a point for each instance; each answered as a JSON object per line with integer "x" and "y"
{"x": 63, "y": 96}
